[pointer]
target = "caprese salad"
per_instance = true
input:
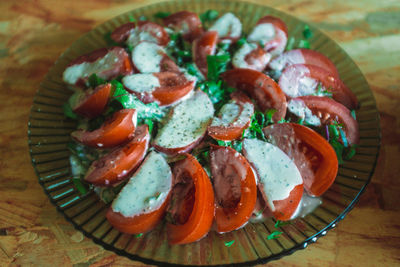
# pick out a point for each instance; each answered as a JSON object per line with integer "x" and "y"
{"x": 188, "y": 119}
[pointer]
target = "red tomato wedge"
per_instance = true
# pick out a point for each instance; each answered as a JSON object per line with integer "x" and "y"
{"x": 235, "y": 188}
{"x": 328, "y": 111}
{"x": 155, "y": 30}
{"x": 204, "y": 46}
{"x": 185, "y": 22}
{"x": 279, "y": 180}
{"x": 272, "y": 33}
{"x": 107, "y": 63}
{"x": 265, "y": 91}
{"x": 119, "y": 163}
{"x": 251, "y": 56}
{"x": 313, "y": 155}
{"x": 233, "y": 118}
{"x": 92, "y": 102}
{"x": 116, "y": 130}
{"x": 201, "y": 216}
{"x": 165, "y": 88}
{"x": 303, "y": 79}
{"x": 122, "y": 33}
{"x": 142, "y": 202}
{"x": 303, "y": 56}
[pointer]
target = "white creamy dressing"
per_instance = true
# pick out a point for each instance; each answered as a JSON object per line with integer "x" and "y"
{"x": 307, "y": 205}
{"x": 227, "y": 26}
{"x": 299, "y": 108}
{"x": 147, "y": 57}
{"x": 147, "y": 189}
{"x": 188, "y": 75}
{"x": 78, "y": 71}
{"x": 239, "y": 57}
{"x": 141, "y": 83}
{"x": 188, "y": 123}
{"x": 227, "y": 115}
{"x": 286, "y": 59}
{"x": 138, "y": 36}
{"x": 276, "y": 171}
{"x": 296, "y": 82}
{"x": 262, "y": 33}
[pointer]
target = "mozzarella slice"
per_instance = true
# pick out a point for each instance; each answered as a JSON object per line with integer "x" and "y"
{"x": 287, "y": 59}
{"x": 298, "y": 108}
{"x": 141, "y": 83}
{"x": 147, "y": 189}
{"x": 277, "y": 173}
{"x": 227, "y": 26}
{"x": 262, "y": 33}
{"x": 296, "y": 81}
{"x": 188, "y": 122}
{"x": 239, "y": 59}
{"x": 147, "y": 57}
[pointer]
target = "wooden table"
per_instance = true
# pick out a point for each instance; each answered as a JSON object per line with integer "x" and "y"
{"x": 34, "y": 33}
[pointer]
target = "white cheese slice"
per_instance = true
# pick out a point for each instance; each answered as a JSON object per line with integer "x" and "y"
{"x": 262, "y": 33}
{"x": 296, "y": 82}
{"x": 147, "y": 57}
{"x": 147, "y": 189}
{"x": 227, "y": 26}
{"x": 141, "y": 83}
{"x": 188, "y": 122}
{"x": 79, "y": 71}
{"x": 298, "y": 108}
{"x": 286, "y": 59}
{"x": 277, "y": 173}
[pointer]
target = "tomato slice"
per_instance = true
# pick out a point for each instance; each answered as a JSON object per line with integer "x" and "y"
{"x": 235, "y": 188}
{"x": 92, "y": 102}
{"x": 201, "y": 216}
{"x": 279, "y": 180}
{"x": 303, "y": 56}
{"x": 116, "y": 130}
{"x": 272, "y": 33}
{"x": 251, "y": 56}
{"x": 122, "y": 33}
{"x": 118, "y": 164}
{"x": 142, "y": 202}
{"x": 303, "y": 79}
{"x": 155, "y": 30}
{"x": 263, "y": 89}
{"x": 234, "y": 117}
{"x": 107, "y": 63}
{"x": 185, "y": 22}
{"x": 313, "y": 155}
{"x": 204, "y": 46}
{"x": 329, "y": 111}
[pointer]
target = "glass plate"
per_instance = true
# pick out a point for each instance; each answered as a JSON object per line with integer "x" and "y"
{"x": 49, "y": 133}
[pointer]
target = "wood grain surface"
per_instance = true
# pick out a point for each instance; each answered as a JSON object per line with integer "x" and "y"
{"x": 33, "y": 34}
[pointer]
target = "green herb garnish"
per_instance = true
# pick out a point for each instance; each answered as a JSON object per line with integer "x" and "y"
{"x": 229, "y": 243}
{"x": 304, "y": 44}
{"x": 216, "y": 65}
{"x": 209, "y": 15}
{"x": 95, "y": 81}
{"x": 131, "y": 18}
{"x": 162, "y": 15}
{"x": 274, "y": 235}
{"x": 307, "y": 33}
{"x": 68, "y": 112}
{"x": 138, "y": 235}
{"x": 281, "y": 223}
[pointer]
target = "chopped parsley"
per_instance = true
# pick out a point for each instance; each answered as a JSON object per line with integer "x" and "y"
{"x": 95, "y": 81}
{"x": 274, "y": 235}
{"x": 139, "y": 235}
{"x": 281, "y": 223}
{"x": 216, "y": 65}
{"x": 302, "y": 43}
{"x": 208, "y": 16}
{"x": 68, "y": 112}
{"x": 229, "y": 243}
{"x": 162, "y": 15}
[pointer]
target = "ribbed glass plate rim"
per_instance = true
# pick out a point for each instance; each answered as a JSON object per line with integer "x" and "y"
{"x": 302, "y": 245}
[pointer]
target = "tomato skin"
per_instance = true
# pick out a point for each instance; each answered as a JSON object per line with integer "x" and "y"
{"x": 118, "y": 164}
{"x": 122, "y": 65}
{"x": 225, "y": 158}
{"x": 233, "y": 130}
{"x": 114, "y": 131}
{"x": 340, "y": 92}
{"x": 277, "y": 22}
{"x": 141, "y": 223}
{"x": 201, "y": 217}
{"x": 284, "y": 210}
{"x": 318, "y": 166}
{"x": 204, "y": 46}
{"x": 303, "y": 56}
{"x": 155, "y": 30}
{"x": 173, "y": 87}
{"x": 122, "y": 33}
{"x": 263, "y": 89}
{"x": 188, "y": 23}
{"x": 327, "y": 110}
{"x": 93, "y": 102}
